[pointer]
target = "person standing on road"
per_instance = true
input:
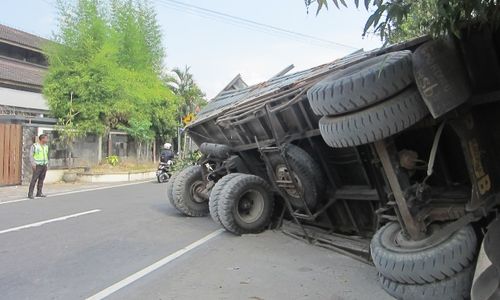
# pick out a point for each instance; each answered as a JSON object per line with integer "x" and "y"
{"x": 39, "y": 158}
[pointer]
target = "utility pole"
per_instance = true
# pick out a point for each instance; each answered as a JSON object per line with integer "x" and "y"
{"x": 179, "y": 133}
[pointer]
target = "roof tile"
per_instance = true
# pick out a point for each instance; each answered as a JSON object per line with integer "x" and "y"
{"x": 21, "y": 38}
{"x": 21, "y": 72}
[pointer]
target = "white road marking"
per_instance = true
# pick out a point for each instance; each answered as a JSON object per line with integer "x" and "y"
{"x": 75, "y": 192}
{"x": 37, "y": 224}
{"x": 136, "y": 276}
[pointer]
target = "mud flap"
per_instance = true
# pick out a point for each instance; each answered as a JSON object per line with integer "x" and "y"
{"x": 441, "y": 76}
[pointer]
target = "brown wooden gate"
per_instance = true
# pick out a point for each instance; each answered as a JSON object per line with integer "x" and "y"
{"x": 10, "y": 154}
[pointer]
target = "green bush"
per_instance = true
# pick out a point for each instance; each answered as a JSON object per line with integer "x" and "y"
{"x": 113, "y": 160}
{"x": 191, "y": 159}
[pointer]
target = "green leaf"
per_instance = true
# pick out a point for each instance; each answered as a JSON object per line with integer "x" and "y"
{"x": 356, "y": 2}
{"x": 378, "y": 13}
{"x": 343, "y": 3}
{"x": 320, "y": 5}
{"x": 369, "y": 22}
{"x": 367, "y": 4}
{"x": 336, "y": 3}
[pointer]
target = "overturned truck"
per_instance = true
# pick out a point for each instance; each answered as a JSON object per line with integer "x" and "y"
{"x": 387, "y": 155}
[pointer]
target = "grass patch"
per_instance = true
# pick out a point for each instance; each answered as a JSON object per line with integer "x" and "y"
{"x": 124, "y": 167}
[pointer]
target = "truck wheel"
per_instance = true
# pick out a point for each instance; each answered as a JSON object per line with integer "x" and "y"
{"x": 186, "y": 196}
{"x": 215, "y": 194}
{"x": 245, "y": 204}
{"x": 454, "y": 288}
{"x": 314, "y": 167}
{"x": 215, "y": 150}
{"x": 374, "y": 123}
{"x": 362, "y": 84}
{"x": 425, "y": 261}
{"x": 170, "y": 187}
{"x": 305, "y": 171}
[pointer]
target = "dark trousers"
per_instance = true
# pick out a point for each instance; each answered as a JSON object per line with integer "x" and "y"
{"x": 38, "y": 175}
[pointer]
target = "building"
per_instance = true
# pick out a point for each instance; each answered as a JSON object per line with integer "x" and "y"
{"x": 24, "y": 114}
{"x": 22, "y": 107}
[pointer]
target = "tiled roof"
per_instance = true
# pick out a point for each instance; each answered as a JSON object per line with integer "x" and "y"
{"x": 21, "y": 38}
{"x": 20, "y": 73}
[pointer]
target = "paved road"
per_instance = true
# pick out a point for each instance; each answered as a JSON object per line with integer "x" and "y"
{"x": 77, "y": 245}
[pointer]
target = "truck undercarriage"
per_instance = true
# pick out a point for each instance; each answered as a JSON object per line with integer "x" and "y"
{"x": 387, "y": 156}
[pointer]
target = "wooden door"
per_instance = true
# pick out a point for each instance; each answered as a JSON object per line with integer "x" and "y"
{"x": 10, "y": 154}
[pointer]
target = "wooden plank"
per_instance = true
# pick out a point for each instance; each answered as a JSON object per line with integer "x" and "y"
{"x": 6, "y": 157}
{"x": 3, "y": 152}
{"x": 9, "y": 154}
{"x": 15, "y": 149}
{"x": 16, "y": 153}
{"x": 12, "y": 179}
{"x": 20, "y": 155}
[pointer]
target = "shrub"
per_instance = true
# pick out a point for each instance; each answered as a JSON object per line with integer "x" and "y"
{"x": 113, "y": 160}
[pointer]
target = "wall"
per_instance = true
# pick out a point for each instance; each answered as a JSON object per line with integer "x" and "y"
{"x": 126, "y": 148}
{"x": 85, "y": 151}
{"x": 28, "y": 133}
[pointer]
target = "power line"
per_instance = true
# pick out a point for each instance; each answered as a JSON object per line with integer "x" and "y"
{"x": 249, "y": 24}
{"x": 246, "y": 26}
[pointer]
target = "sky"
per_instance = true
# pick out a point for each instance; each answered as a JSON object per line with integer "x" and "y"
{"x": 217, "y": 51}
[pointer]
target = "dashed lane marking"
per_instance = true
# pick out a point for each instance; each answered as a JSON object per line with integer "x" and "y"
{"x": 38, "y": 224}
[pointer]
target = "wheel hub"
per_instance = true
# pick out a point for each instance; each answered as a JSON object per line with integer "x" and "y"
{"x": 197, "y": 189}
{"x": 250, "y": 206}
{"x": 400, "y": 242}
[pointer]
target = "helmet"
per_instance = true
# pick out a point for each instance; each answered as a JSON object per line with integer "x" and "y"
{"x": 167, "y": 146}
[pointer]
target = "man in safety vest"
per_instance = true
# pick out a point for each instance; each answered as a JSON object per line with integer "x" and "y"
{"x": 39, "y": 158}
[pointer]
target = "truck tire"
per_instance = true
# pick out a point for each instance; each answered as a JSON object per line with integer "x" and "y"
{"x": 185, "y": 198}
{"x": 305, "y": 170}
{"x": 453, "y": 288}
{"x": 374, "y": 123}
{"x": 245, "y": 204}
{"x": 314, "y": 167}
{"x": 213, "y": 201}
{"x": 362, "y": 84}
{"x": 420, "y": 262}
{"x": 215, "y": 150}
{"x": 170, "y": 187}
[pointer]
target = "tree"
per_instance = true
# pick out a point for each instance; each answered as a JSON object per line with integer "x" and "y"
{"x": 396, "y": 20}
{"x": 110, "y": 57}
{"x": 184, "y": 86}
{"x": 69, "y": 132}
{"x": 189, "y": 95}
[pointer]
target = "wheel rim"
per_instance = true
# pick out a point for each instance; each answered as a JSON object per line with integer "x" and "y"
{"x": 250, "y": 206}
{"x": 196, "y": 188}
{"x": 163, "y": 177}
{"x": 396, "y": 240}
{"x": 282, "y": 173}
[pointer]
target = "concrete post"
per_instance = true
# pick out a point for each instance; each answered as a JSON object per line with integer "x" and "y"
{"x": 99, "y": 149}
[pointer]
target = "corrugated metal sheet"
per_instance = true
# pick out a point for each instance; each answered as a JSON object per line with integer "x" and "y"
{"x": 231, "y": 99}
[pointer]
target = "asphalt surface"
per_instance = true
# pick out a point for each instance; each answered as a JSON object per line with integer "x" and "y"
{"x": 77, "y": 245}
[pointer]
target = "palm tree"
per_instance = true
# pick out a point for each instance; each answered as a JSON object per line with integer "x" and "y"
{"x": 184, "y": 86}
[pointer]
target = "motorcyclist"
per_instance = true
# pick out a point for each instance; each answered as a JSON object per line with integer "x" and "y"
{"x": 167, "y": 153}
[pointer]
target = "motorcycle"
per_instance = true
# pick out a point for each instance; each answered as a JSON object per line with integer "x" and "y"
{"x": 164, "y": 172}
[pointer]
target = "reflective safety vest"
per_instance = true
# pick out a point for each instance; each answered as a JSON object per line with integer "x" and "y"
{"x": 41, "y": 154}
